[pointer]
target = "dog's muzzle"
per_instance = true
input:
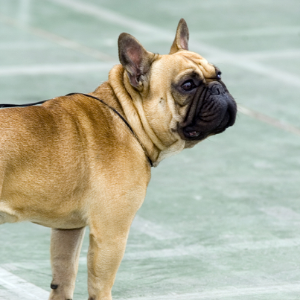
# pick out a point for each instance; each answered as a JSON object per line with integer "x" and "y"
{"x": 211, "y": 111}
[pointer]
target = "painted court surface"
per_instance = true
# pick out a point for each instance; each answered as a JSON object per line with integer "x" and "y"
{"x": 220, "y": 221}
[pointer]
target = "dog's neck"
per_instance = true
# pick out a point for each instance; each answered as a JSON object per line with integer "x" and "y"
{"x": 131, "y": 108}
{"x": 114, "y": 94}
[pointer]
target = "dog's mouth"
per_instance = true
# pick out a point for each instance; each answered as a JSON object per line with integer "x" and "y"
{"x": 192, "y": 134}
{"x": 211, "y": 112}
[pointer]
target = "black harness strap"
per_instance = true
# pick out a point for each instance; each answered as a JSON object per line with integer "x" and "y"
{"x": 87, "y": 95}
{"x": 122, "y": 118}
{"x": 21, "y": 105}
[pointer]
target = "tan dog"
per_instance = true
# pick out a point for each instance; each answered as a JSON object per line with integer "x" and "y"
{"x": 77, "y": 161}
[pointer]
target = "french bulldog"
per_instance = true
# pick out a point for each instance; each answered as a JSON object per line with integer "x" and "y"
{"x": 85, "y": 159}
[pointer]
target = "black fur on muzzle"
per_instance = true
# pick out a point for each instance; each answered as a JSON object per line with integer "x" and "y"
{"x": 211, "y": 111}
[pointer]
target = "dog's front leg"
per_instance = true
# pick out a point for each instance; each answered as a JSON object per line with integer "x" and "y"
{"x": 65, "y": 249}
{"x": 106, "y": 250}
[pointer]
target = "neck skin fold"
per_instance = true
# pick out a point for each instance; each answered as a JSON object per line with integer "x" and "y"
{"x": 132, "y": 106}
{"x": 116, "y": 80}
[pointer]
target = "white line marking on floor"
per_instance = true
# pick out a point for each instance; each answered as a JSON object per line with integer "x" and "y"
{"x": 16, "y": 46}
{"x": 226, "y": 293}
{"x": 200, "y": 251}
{"x": 203, "y": 48}
{"x": 283, "y": 77}
{"x": 269, "y": 120}
{"x": 253, "y": 32}
{"x": 16, "y": 266}
{"x": 20, "y": 287}
{"x": 281, "y": 213}
{"x": 286, "y": 54}
{"x": 24, "y": 11}
{"x": 108, "y": 15}
{"x": 197, "y": 251}
{"x": 64, "y": 42}
{"x": 8, "y": 295}
{"x": 152, "y": 229}
{"x": 27, "y": 291}
{"x": 54, "y": 69}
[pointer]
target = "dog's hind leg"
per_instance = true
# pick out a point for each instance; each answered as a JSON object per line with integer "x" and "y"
{"x": 65, "y": 250}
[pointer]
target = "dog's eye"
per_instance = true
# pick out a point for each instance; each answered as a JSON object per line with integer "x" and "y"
{"x": 219, "y": 73}
{"x": 188, "y": 85}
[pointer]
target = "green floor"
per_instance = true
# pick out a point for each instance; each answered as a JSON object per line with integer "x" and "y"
{"x": 220, "y": 221}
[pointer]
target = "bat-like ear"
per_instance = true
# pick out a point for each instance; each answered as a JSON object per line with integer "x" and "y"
{"x": 135, "y": 59}
{"x": 181, "y": 41}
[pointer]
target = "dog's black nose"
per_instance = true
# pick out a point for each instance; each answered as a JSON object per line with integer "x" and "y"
{"x": 216, "y": 88}
{"x": 225, "y": 102}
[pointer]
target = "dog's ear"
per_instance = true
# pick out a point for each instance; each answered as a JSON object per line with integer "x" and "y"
{"x": 135, "y": 59}
{"x": 181, "y": 41}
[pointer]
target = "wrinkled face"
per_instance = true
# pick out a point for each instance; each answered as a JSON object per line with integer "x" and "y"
{"x": 186, "y": 97}
{"x": 205, "y": 105}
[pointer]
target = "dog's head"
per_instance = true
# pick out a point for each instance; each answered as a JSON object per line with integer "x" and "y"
{"x": 182, "y": 95}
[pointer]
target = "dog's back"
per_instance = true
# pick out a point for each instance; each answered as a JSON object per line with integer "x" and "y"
{"x": 49, "y": 153}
